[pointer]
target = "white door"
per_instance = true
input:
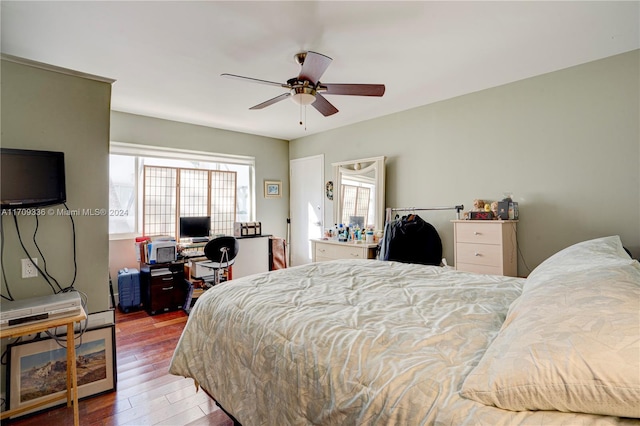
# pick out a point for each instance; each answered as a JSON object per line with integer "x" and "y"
{"x": 306, "y": 183}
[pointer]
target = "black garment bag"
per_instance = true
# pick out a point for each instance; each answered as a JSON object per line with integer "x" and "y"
{"x": 412, "y": 240}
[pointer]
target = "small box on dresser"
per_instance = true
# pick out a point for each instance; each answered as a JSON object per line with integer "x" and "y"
{"x": 486, "y": 246}
{"x": 245, "y": 229}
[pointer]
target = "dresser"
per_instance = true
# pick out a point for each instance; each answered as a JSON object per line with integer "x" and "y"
{"x": 324, "y": 250}
{"x": 486, "y": 246}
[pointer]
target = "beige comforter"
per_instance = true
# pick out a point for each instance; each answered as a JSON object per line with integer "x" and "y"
{"x": 350, "y": 342}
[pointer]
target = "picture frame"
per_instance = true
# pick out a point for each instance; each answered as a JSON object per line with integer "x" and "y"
{"x": 329, "y": 190}
{"x": 272, "y": 189}
{"x": 37, "y": 369}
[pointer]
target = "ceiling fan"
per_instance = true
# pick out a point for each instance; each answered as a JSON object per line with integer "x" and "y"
{"x": 306, "y": 88}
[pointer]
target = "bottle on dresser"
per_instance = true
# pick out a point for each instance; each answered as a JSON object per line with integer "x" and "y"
{"x": 342, "y": 233}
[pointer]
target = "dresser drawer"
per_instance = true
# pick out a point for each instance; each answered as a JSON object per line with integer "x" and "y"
{"x": 479, "y": 269}
{"x": 481, "y": 233}
{"x": 339, "y": 252}
{"x": 480, "y": 254}
{"x": 486, "y": 247}
{"x": 324, "y": 251}
{"x": 322, "y": 258}
{"x": 346, "y": 252}
{"x": 165, "y": 296}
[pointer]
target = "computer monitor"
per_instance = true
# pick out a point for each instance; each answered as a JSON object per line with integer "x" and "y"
{"x": 357, "y": 220}
{"x": 195, "y": 226}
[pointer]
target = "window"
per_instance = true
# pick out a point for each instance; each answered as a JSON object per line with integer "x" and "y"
{"x": 355, "y": 204}
{"x": 159, "y": 206}
{"x": 223, "y": 202}
{"x": 171, "y": 193}
{"x": 122, "y": 194}
{"x": 151, "y": 188}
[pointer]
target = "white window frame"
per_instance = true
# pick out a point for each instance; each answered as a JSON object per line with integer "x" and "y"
{"x": 137, "y": 150}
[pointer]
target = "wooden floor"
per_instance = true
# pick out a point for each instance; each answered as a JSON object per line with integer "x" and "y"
{"x": 147, "y": 394}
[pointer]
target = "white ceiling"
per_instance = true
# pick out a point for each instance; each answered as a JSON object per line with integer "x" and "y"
{"x": 167, "y": 57}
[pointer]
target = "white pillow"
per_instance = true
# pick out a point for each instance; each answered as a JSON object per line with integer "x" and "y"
{"x": 583, "y": 255}
{"x": 570, "y": 342}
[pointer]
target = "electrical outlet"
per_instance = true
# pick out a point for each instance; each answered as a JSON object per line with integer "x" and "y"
{"x": 28, "y": 267}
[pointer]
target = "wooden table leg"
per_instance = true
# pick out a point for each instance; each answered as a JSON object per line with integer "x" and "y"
{"x": 72, "y": 373}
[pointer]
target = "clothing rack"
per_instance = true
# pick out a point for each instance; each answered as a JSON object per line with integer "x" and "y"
{"x": 390, "y": 210}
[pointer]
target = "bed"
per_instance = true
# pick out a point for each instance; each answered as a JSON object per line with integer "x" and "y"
{"x": 369, "y": 342}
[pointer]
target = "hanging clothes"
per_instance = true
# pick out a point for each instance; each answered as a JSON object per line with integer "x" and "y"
{"x": 411, "y": 240}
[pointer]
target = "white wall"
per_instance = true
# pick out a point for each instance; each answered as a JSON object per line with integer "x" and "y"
{"x": 566, "y": 144}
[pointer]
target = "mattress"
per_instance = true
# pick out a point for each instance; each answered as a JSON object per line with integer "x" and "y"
{"x": 352, "y": 342}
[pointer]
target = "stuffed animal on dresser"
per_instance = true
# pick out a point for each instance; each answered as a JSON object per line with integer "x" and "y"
{"x": 478, "y": 205}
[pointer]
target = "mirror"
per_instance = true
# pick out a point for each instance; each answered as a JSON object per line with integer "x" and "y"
{"x": 359, "y": 192}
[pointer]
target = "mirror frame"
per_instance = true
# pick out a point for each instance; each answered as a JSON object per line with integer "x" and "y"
{"x": 375, "y": 164}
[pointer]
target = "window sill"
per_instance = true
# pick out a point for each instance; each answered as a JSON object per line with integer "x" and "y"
{"x": 128, "y": 236}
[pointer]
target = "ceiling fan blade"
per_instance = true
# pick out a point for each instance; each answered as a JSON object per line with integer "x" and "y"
{"x": 354, "y": 89}
{"x": 314, "y": 65}
{"x": 271, "y": 101}
{"x": 324, "y": 106}
{"x": 254, "y": 80}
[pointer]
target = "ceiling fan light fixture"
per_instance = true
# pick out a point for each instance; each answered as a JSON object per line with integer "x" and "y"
{"x": 303, "y": 95}
{"x": 306, "y": 89}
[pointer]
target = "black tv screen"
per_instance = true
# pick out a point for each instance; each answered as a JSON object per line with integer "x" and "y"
{"x": 195, "y": 226}
{"x": 31, "y": 178}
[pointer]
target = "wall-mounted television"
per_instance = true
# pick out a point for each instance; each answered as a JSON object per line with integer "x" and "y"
{"x": 31, "y": 178}
{"x": 195, "y": 227}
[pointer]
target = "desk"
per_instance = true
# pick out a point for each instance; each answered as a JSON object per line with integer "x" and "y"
{"x": 72, "y": 376}
{"x": 252, "y": 257}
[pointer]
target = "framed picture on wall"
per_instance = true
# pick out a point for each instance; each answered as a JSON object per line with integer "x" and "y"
{"x": 37, "y": 369}
{"x": 272, "y": 188}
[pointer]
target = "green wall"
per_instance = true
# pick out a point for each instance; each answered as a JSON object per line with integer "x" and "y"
{"x": 271, "y": 156}
{"x": 565, "y": 144}
{"x": 58, "y": 111}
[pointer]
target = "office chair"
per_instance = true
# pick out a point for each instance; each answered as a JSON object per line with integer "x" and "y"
{"x": 221, "y": 252}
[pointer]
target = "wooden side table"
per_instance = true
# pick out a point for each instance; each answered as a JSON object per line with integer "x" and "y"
{"x": 72, "y": 376}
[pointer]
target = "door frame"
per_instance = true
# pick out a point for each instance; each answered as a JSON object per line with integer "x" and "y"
{"x": 321, "y": 192}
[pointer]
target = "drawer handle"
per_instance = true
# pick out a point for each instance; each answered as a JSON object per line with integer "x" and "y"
{"x": 355, "y": 255}
{"x": 476, "y": 233}
{"x": 168, "y": 279}
{"x": 477, "y": 254}
{"x": 167, "y": 288}
{"x": 321, "y": 250}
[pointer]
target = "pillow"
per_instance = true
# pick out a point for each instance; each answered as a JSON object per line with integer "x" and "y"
{"x": 584, "y": 255}
{"x": 571, "y": 341}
